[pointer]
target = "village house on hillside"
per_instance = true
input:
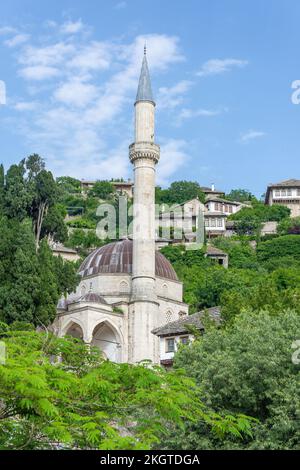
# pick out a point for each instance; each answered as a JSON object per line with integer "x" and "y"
{"x": 184, "y": 216}
{"x": 181, "y": 331}
{"x": 286, "y": 193}
{"x": 212, "y": 192}
{"x": 121, "y": 187}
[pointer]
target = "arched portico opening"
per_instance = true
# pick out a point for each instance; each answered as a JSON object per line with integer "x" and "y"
{"x": 108, "y": 341}
{"x": 74, "y": 330}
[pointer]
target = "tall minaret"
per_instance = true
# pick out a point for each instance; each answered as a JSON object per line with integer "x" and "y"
{"x": 143, "y": 154}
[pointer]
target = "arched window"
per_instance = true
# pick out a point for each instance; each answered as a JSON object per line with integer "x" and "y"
{"x": 165, "y": 290}
{"x": 124, "y": 287}
{"x": 83, "y": 290}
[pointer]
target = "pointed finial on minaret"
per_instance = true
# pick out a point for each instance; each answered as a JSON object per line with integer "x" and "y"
{"x": 144, "y": 92}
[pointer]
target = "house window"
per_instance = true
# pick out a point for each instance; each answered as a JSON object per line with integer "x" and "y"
{"x": 283, "y": 192}
{"x": 230, "y": 209}
{"x": 298, "y": 192}
{"x": 184, "y": 339}
{"x": 277, "y": 193}
{"x": 206, "y": 223}
{"x": 170, "y": 345}
{"x": 289, "y": 192}
{"x": 220, "y": 224}
{"x": 213, "y": 222}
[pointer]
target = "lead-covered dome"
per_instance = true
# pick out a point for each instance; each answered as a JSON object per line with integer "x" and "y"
{"x": 116, "y": 257}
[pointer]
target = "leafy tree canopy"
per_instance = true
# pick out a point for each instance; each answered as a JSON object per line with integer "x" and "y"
{"x": 31, "y": 282}
{"x": 58, "y": 393}
{"x": 248, "y": 369}
{"x": 102, "y": 190}
{"x": 178, "y": 192}
{"x": 240, "y": 195}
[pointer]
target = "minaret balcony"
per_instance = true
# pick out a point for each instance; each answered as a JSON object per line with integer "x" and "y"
{"x": 139, "y": 150}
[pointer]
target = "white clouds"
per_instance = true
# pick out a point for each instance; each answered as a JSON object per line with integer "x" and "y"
{"x": 218, "y": 66}
{"x": 4, "y": 30}
{"x": 25, "y": 105}
{"x": 173, "y": 156}
{"x": 251, "y": 135}
{"x": 70, "y": 27}
{"x": 51, "y": 55}
{"x": 81, "y": 87}
{"x": 94, "y": 56}
{"x": 43, "y": 63}
{"x": 17, "y": 40}
{"x": 75, "y": 93}
{"x": 186, "y": 113}
{"x": 39, "y": 72}
{"x": 173, "y": 96}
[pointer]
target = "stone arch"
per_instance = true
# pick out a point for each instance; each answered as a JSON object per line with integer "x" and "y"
{"x": 124, "y": 287}
{"x": 106, "y": 337}
{"x": 165, "y": 290}
{"x": 73, "y": 328}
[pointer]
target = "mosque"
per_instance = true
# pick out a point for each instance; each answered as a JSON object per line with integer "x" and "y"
{"x": 127, "y": 287}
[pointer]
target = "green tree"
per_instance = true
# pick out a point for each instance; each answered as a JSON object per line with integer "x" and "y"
{"x": 287, "y": 245}
{"x": 179, "y": 192}
{"x": 82, "y": 401}
{"x": 2, "y": 186}
{"x": 53, "y": 225}
{"x": 31, "y": 282}
{"x": 248, "y": 369}
{"x": 289, "y": 226}
{"x": 44, "y": 198}
{"x": 102, "y": 190}
{"x": 68, "y": 185}
{"x": 240, "y": 195}
{"x": 17, "y": 197}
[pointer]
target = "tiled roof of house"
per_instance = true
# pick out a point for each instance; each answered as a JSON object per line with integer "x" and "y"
{"x": 220, "y": 199}
{"x": 286, "y": 184}
{"x": 206, "y": 189}
{"x": 182, "y": 326}
{"x": 214, "y": 214}
{"x": 291, "y": 183}
{"x": 212, "y": 250}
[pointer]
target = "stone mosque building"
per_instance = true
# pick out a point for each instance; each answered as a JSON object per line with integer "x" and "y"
{"x": 127, "y": 288}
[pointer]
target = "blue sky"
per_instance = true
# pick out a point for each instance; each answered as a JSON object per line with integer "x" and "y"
{"x": 221, "y": 73}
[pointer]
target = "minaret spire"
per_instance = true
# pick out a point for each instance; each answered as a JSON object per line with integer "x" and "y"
{"x": 144, "y": 154}
{"x": 144, "y": 92}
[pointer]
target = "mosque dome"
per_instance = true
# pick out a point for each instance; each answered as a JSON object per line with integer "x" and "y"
{"x": 116, "y": 257}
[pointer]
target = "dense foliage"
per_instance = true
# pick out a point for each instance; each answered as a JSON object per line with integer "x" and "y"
{"x": 249, "y": 220}
{"x": 31, "y": 282}
{"x": 58, "y": 393}
{"x": 178, "y": 192}
{"x": 247, "y": 368}
{"x": 31, "y": 278}
{"x": 240, "y": 195}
